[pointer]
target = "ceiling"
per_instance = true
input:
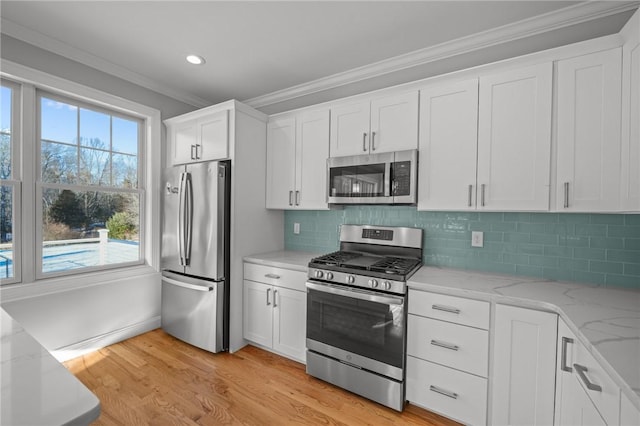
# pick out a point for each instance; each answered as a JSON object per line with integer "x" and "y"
{"x": 266, "y": 52}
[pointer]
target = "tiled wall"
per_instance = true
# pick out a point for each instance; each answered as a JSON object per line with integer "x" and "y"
{"x": 595, "y": 248}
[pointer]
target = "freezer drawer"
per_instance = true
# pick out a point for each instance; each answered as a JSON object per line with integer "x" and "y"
{"x": 192, "y": 311}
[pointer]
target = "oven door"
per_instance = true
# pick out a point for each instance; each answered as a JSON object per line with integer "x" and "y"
{"x": 358, "y": 327}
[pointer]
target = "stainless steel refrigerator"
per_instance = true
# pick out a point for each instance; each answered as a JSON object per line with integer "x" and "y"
{"x": 195, "y": 254}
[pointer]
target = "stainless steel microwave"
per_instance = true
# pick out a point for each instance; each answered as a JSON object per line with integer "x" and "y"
{"x": 386, "y": 178}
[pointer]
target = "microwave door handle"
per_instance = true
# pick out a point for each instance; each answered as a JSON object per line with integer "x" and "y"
{"x": 389, "y": 180}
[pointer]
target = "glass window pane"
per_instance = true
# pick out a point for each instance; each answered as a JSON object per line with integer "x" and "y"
{"x": 58, "y": 162}
{"x": 94, "y": 167}
{"x": 5, "y": 132}
{"x": 95, "y": 129}
{"x": 125, "y": 136}
{"x": 125, "y": 170}
{"x": 85, "y": 229}
{"x": 59, "y": 121}
{"x": 6, "y": 232}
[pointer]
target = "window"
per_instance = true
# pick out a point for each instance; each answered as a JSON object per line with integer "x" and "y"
{"x": 10, "y": 187}
{"x": 89, "y": 186}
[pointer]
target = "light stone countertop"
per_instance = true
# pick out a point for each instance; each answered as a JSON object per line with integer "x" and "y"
{"x": 35, "y": 388}
{"x": 605, "y": 320}
{"x": 294, "y": 260}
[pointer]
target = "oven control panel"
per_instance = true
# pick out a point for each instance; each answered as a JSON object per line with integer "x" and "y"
{"x": 377, "y": 234}
{"x": 356, "y": 280}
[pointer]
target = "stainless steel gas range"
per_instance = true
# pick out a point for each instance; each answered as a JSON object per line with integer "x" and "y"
{"x": 356, "y": 311}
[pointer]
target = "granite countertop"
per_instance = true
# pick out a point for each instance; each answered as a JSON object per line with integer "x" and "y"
{"x": 294, "y": 260}
{"x": 35, "y": 388}
{"x": 605, "y": 320}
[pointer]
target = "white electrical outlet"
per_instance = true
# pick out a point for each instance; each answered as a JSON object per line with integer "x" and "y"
{"x": 477, "y": 239}
{"x": 296, "y": 228}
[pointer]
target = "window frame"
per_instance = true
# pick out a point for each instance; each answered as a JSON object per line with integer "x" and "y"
{"x": 30, "y": 285}
{"x": 76, "y": 187}
{"x": 15, "y": 179}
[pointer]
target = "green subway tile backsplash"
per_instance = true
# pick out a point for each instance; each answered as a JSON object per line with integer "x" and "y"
{"x": 595, "y": 248}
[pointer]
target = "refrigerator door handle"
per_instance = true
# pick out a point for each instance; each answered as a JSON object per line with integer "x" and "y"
{"x": 181, "y": 218}
{"x": 187, "y": 285}
{"x": 188, "y": 218}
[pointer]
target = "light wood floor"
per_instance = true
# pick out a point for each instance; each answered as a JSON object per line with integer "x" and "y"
{"x": 158, "y": 380}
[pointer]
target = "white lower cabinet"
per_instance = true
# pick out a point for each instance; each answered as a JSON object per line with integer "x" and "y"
{"x": 585, "y": 394}
{"x": 524, "y": 359}
{"x": 275, "y": 309}
{"x": 447, "y": 360}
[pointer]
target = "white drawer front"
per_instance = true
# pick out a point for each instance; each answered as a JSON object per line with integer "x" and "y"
{"x": 607, "y": 400}
{"x": 280, "y": 277}
{"x": 467, "y": 394}
{"x": 459, "y": 310}
{"x": 458, "y": 346}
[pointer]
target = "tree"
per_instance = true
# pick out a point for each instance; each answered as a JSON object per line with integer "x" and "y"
{"x": 121, "y": 226}
{"x": 67, "y": 209}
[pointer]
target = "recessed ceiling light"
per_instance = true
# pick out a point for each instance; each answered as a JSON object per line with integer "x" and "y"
{"x": 195, "y": 59}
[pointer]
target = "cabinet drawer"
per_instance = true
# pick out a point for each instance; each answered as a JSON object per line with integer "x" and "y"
{"x": 463, "y": 348}
{"x": 463, "y": 397}
{"x": 459, "y": 310}
{"x": 280, "y": 277}
{"x": 607, "y": 400}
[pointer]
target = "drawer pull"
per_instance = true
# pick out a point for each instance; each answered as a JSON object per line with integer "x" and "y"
{"x": 563, "y": 365}
{"x": 274, "y": 276}
{"x": 446, "y": 309}
{"x": 445, "y": 345}
{"x": 581, "y": 370}
{"x": 443, "y": 392}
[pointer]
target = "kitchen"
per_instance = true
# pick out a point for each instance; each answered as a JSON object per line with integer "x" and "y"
{"x": 527, "y": 241}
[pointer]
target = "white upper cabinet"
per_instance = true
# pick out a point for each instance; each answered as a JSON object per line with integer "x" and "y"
{"x": 200, "y": 139}
{"x": 630, "y": 196}
{"x": 297, "y": 152}
{"x": 381, "y": 125}
{"x": 514, "y": 139}
{"x": 588, "y": 132}
{"x": 281, "y": 160}
{"x": 448, "y": 146}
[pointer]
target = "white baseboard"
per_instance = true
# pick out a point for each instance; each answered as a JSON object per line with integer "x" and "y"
{"x": 75, "y": 350}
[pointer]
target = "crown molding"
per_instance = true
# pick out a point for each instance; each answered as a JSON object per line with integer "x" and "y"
{"x": 551, "y": 21}
{"x": 40, "y": 40}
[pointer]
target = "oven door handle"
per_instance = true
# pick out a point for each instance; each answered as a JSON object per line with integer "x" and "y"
{"x": 387, "y": 300}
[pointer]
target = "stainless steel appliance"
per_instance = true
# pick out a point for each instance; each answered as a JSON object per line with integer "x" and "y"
{"x": 387, "y": 178}
{"x": 195, "y": 254}
{"x": 356, "y": 311}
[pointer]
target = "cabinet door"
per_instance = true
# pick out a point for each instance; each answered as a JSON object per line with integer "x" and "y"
{"x": 448, "y": 147}
{"x": 394, "y": 123}
{"x": 524, "y": 363}
{"x": 312, "y": 151}
{"x": 579, "y": 410}
{"x": 184, "y": 138}
{"x": 349, "y": 130}
{"x": 257, "y": 312}
{"x": 589, "y": 113}
{"x": 281, "y": 161}
{"x": 289, "y": 328}
{"x": 213, "y": 132}
{"x": 514, "y": 139}
{"x": 630, "y": 197}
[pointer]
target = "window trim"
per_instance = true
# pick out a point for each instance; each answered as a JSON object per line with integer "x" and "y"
{"x": 41, "y": 185}
{"x": 15, "y": 180}
{"x": 30, "y": 286}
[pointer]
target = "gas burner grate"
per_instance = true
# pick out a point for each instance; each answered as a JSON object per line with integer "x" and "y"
{"x": 336, "y": 258}
{"x": 395, "y": 265}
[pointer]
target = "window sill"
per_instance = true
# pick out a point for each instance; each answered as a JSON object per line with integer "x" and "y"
{"x": 18, "y": 291}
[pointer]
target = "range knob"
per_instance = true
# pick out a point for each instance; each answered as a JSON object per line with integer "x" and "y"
{"x": 319, "y": 274}
{"x": 373, "y": 283}
{"x": 329, "y": 276}
{"x": 386, "y": 285}
{"x": 351, "y": 279}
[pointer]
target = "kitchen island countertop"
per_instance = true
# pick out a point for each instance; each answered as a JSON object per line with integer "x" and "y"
{"x": 35, "y": 388}
{"x": 606, "y": 320}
